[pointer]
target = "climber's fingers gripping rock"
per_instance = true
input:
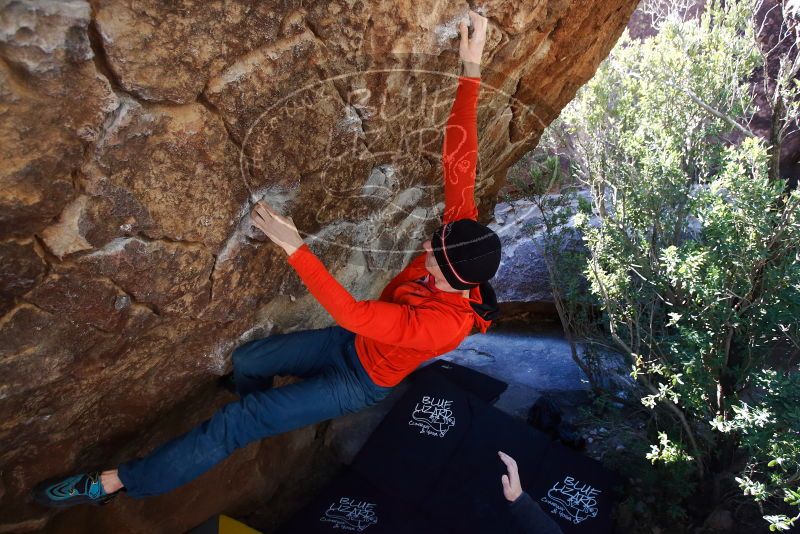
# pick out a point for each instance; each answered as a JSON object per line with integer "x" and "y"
{"x": 281, "y": 230}
{"x": 471, "y": 49}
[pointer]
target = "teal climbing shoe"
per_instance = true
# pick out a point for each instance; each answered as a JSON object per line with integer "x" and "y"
{"x": 71, "y": 491}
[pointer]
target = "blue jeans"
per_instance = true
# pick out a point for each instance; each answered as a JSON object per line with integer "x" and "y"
{"x": 335, "y": 384}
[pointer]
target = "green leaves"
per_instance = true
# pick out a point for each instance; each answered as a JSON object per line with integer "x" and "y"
{"x": 696, "y": 261}
{"x": 667, "y": 451}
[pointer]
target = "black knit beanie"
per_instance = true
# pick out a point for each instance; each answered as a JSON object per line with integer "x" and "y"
{"x": 467, "y": 252}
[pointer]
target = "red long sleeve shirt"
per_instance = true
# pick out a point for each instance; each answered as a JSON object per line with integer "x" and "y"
{"x": 412, "y": 321}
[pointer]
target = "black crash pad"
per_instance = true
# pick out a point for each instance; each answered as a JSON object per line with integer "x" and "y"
{"x": 575, "y": 490}
{"x": 469, "y": 493}
{"x": 485, "y": 387}
{"x": 432, "y": 465}
{"x": 407, "y": 452}
{"x": 352, "y": 504}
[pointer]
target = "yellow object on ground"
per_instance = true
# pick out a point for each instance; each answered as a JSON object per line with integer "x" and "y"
{"x": 222, "y": 524}
{"x": 232, "y": 526}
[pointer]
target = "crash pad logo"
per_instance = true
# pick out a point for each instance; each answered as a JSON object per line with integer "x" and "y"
{"x": 433, "y": 416}
{"x": 572, "y": 500}
{"x": 350, "y": 514}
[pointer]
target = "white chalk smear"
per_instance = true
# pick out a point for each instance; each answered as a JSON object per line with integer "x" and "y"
{"x": 114, "y": 246}
{"x": 215, "y": 361}
{"x": 351, "y": 121}
{"x": 448, "y": 31}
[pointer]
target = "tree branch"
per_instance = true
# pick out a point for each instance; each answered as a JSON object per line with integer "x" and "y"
{"x": 697, "y": 100}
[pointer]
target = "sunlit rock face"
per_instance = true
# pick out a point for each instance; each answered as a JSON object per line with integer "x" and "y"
{"x": 523, "y": 275}
{"x": 135, "y": 137}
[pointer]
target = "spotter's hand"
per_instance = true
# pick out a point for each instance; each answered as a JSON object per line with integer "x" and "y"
{"x": 281, "y": 230}
{"x": 512, "y": 488}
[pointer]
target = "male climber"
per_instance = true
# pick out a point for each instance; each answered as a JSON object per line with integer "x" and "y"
{"x": 425, "y": 311}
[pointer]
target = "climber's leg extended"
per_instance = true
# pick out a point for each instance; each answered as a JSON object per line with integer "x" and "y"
{"x": 301, "y": 354}
{"x": 340, "y": 385}
{"x": 343, "y": 387}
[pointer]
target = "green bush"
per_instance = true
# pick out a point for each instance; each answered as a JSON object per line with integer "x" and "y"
{"x": 694, "y": 257}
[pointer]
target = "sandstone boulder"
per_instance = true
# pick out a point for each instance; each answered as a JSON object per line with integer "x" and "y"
{"x": 523, "y": 275}
{"x": 135, "y": 138}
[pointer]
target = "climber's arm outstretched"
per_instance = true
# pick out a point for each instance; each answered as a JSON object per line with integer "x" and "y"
{"x": 387, "y": 322}
{"x": 460, "y": 146}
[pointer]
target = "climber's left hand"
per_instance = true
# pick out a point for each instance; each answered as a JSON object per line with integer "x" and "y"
{"x": 471, "y": 49}
{"x": 281, "y": 230}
